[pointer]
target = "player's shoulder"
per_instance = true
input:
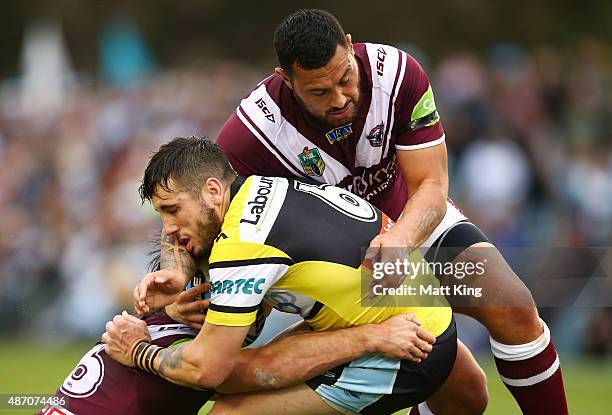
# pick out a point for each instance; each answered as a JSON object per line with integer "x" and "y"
{"x": 264, "y": 100}
{"x": 255, "y": 206}
{"x": 387, "y": 65}
{"x": 263, "y": 110}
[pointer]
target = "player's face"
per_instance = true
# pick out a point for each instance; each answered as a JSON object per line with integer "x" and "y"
{"x": 330, "y": 93}
{"x": 188, "y": 219}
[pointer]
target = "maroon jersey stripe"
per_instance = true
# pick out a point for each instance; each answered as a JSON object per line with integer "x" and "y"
{"x": 278, "y": 152}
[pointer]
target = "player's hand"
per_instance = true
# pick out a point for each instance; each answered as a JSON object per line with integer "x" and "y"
{"x": 401, "y": 337}
{"x": 122, "y": 335}
{"x": 187, "y": 311}
{"x": 158, "y": 289}
{"x": 388, "y": 248}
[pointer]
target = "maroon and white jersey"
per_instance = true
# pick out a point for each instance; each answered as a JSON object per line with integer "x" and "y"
{"x": 99, "y": 385}
{"x": 270, "y": 133}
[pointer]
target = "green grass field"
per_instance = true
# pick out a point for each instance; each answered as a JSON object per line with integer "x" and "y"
{"x": 26, "y": 367}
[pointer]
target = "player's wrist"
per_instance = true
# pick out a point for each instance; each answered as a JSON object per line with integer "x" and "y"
{"x": 143, "y": 356}
{"x": 369, "y": 338}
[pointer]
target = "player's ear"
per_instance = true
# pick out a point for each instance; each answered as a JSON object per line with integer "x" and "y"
{"x": 281, "y": 72}
{"x": 212, "y": 190}
{"x": 349, "y": 43}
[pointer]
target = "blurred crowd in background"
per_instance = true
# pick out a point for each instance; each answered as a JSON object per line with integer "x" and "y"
{"x": 529, "y": 134}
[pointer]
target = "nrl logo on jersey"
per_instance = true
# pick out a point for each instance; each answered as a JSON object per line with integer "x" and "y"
{"x": 375, "y": 136}
{"x": 340, "y": 133}
{"x": 311, "y": 161}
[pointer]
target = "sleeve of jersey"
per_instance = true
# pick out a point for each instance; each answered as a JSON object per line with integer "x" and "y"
{"x": 247, "y": 155}
{"x": 241, "y": 273}
{"x": 418, "y": 121}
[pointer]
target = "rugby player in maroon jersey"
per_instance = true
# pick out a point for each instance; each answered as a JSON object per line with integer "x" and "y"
{"x": 363, "y": 116}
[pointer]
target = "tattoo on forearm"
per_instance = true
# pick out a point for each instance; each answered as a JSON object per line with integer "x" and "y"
{"x": 170, "y": 360}
{"x": 427, "y": 220}
{"x": 173, "y": 255}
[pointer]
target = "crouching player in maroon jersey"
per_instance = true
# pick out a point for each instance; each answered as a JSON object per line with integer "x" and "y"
{"x": 99, "y": 385}
{"x": 362, "y": 116}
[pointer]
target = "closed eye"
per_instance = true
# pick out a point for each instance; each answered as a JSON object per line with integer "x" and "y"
{"x": 318, "y": 92}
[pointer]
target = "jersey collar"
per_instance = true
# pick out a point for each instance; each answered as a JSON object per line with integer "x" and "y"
{"x": 236, "y": 185}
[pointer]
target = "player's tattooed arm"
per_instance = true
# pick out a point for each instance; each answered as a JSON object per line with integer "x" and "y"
{"x": 426, "y": 176}
{"x": 427, "y": 220}
{"x": 173, "y": 255}
{"x": 167, "y": 256}
{"x": 172, "y": 367}
{"x": 206, "y": 361}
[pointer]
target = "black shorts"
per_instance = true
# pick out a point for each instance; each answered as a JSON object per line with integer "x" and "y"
{"x": 455, "y": 240}
{"x": 379, "y": 385}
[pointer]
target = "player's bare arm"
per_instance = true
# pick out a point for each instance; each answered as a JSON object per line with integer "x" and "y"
{"x": 285, "y": 362}
{"x": 158, "y": 289}
{"x": 185, "y": 309}
{"x": 425, "y": 172}
{"x": 205, "y": 362}
{"x": 176, "y": 269}
{"x": 174, "y": 255}
{"x": 293, "y": 359}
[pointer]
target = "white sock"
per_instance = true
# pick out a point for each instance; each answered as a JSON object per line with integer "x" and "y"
{"x": 525, "y": 351}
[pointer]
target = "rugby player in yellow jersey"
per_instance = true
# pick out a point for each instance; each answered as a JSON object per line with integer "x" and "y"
{"x": 295, "y": 245}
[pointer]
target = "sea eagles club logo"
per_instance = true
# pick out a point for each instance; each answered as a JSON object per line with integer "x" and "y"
{"x": 375, "y": 136}
{"x": 340, "y": 133}
{"x": 311, "y": 161}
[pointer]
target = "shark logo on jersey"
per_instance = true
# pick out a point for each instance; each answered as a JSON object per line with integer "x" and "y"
{"x": 375, "y": 136}
{"x": 340, "y": 133}
{"x": 312, "y": 162}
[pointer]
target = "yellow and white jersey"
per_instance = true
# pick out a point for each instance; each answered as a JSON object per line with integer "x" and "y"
{"x": 299, "y": 246}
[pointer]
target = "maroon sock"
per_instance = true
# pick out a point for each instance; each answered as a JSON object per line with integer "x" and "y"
{"x": 536, "y": 383}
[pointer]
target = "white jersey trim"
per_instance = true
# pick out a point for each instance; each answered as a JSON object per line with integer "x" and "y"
{"x": 381, "y": 113}
{"x": 56, "y": 410}
{"x": 403, "y": 58}
{"x": 158, "y": 331}
{"x": 263, "y": 141}
{"x": 423, "y": 145}
{"x": 272, "y": 201}
{"x": 280, "y": 133}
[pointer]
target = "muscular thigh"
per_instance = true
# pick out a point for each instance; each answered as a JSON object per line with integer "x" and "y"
{"x": 490, "y": 278}
{"x": 474, "y": 270}
{"x": 465, "y": 389}
{"x": 483, "y": 286}
{"x": 297, "y": 400}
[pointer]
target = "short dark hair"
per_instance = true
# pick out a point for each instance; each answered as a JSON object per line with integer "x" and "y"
{"x": 309, "y": 38}
{"x": 188, "y": 162}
